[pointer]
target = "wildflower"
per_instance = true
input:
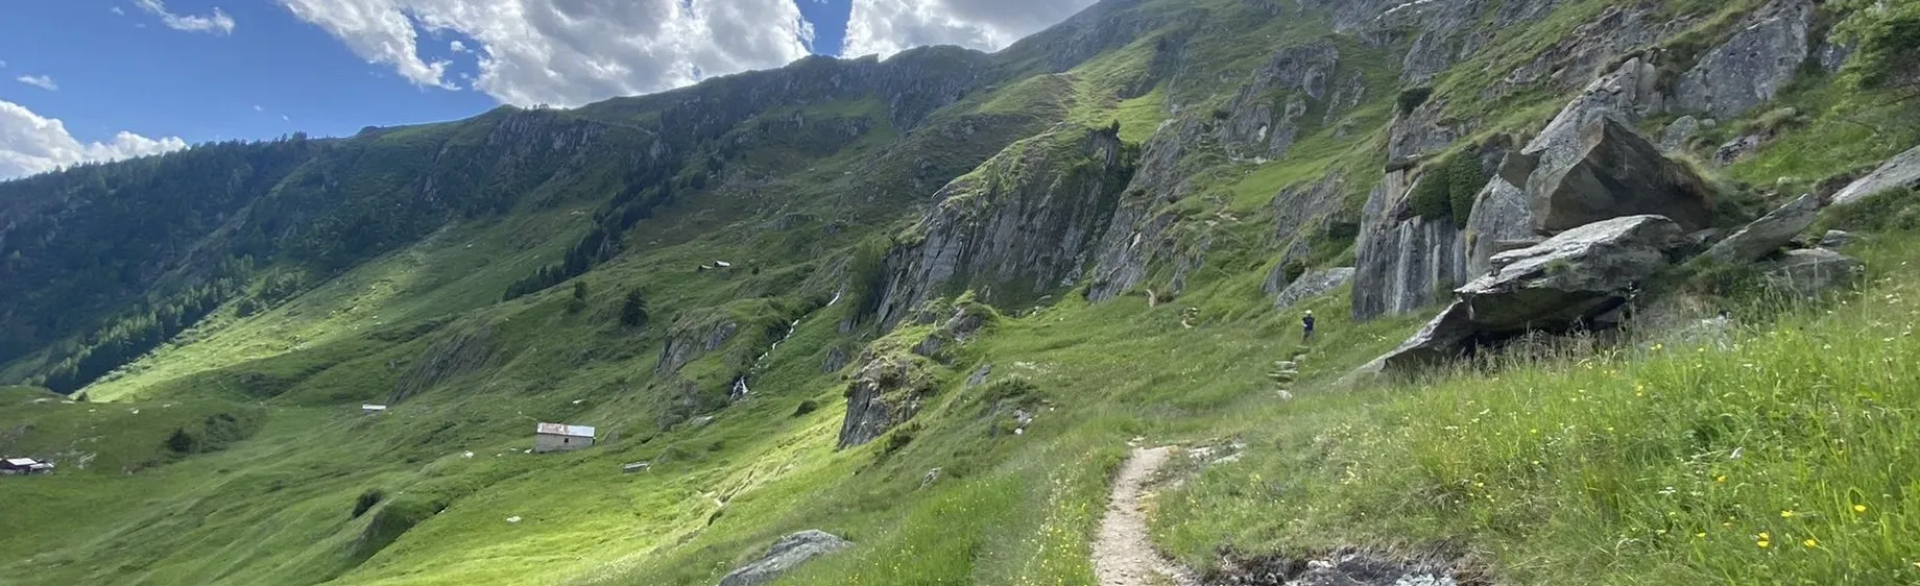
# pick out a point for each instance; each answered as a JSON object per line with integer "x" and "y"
{"x": 1859, "y": 509}
{"x": 1701, "y": 535}
{"x": 1720, "y": 479}
{"x": 1763, "y": 540}
{"x": 1811, "y": 543}
{"x": 1787, "y": 514}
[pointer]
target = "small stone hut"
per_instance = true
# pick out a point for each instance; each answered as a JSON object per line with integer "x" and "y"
{"x": 560, "y": 437}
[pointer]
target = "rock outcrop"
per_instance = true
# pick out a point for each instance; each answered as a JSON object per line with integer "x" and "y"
{"x": 786, "y": 554}
{"x": 1261, "y": 119}
{"x": 1311, "y": 285}
{"x": 1810, "y": 272}
{"x": 1675, "y": 137}
{"x": 458, "y": 350}
{"x": 1580, "y": 56}
{"x": 1404, "y": 262}
{"x": 1767, "y": 234}
{"x": 886, "y": 391}
{"x": 1615, "y": 172}
{"x": 1753, "y": 65}
{"x": 1141, "y": 232}
{"x": 1558, "y": 285}
{"x": 1443, "y": 34}
{"x": 1023, "y": 224}
{"x": 1902, "y": 171}
{"x": 689, "y": 341}
{"x": 1423, "y": 130}
{"x": 1300, "y": 214}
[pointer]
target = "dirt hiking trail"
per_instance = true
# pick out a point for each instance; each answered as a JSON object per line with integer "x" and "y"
{"x": 1123, "y": 556}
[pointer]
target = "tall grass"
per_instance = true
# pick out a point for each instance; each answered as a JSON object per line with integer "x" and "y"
{"x": 1785, "y": 457}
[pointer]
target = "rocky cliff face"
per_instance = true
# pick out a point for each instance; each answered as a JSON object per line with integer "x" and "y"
{"x": 1263, "y": 120}
{"x": 1140, "y": 232}
{"x": 1404, "y": 262}
{"x": 1751, "y": 66}
{"x": 1022, "y": 224}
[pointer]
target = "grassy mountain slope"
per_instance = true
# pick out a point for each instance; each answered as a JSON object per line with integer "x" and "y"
{"x": 475, "y": 275}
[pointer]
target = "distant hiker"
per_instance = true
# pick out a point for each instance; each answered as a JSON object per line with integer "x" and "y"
{"x": 1306, "y": 325}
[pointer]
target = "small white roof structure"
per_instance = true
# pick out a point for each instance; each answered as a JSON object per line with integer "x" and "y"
{"x": 21, "y": 462}
{"x": 372, "y": 407}
{"x": 723, "y": 264}
{"x": 565, "y": 430}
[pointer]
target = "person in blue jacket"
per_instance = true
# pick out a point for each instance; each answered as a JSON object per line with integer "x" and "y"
{"x": 1306, "y": 324}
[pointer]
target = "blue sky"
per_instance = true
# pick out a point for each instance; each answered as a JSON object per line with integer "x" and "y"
{"x": 76, "y": 76}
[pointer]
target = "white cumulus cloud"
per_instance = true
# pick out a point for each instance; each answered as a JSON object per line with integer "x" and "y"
{"x": 32, "y": 144}
{"x": 216, "y": 23}
{"x": 568, "y": 52}
{"x": 886, "y": 27}
{"x": 39, "y": 81}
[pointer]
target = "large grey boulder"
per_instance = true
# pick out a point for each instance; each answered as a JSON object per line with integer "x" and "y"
{"x": 1558, "y": 285}
{"x": 1617, "y": 173}
{"x": 1753, "y": 65}
{"x": 1767, "y": 234}
{"x": 1811, "y": 272}
{"x": 786, "y": 554}
{"x": 1500, "y": 218}
{"x": 1578, "y": 274}
{"x": 1903, "y": 170}
{"x": 1503, "y": 211}
{"x": 1312, "y": 284}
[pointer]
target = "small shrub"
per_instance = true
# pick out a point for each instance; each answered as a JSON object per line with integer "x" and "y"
{"x": 1011, "y": 388}
{"x": 633, "y": 310}
{"x": 366, "y": 501}
{"x": 1465, "y": 179}
{"x": 395, "y": 519}
{"x": 1448, "y": 187}
{"x": 1725, "y": 280}
{"x": 807, "y": 406}
{"x": 1431, "y": 199}
{"x": 181, "y": 442}
{"x": 1293, "y": 270}
{"x": 1412, "y": 98}
{"x": 901, "y": 437}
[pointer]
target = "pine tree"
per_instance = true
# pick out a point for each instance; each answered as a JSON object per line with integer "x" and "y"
{"x": 633, "y": 311}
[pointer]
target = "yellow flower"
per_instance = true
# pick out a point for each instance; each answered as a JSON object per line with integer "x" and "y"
{"x": 1763, "y": 543}
{"x": 1859, "y": 508}
{"x": 1720, "y": 478}
{"x": 1701, "y": 534}
{"x": 1787, "y": 514}
{"x": 1811, "y": 543}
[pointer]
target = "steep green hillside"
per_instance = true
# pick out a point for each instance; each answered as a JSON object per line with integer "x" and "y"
{"x": 929, "y": 304}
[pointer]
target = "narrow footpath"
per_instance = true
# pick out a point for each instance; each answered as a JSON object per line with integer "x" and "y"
{"x": 1123, "y": 555}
